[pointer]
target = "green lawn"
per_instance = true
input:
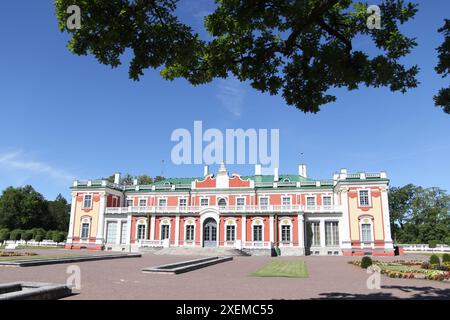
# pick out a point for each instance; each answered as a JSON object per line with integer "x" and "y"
{"x": 38, "y": 257}
{"x": 290, "y": 269}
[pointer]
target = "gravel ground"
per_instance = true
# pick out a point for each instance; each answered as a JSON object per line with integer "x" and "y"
{"x": 329, "y": 277}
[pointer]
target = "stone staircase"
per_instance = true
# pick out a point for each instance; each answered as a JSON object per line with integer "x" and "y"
{"x": 186, "y": 251}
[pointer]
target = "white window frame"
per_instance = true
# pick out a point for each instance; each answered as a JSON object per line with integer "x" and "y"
{"x": 260, "y": 224}
{"x": 161, "y": 231}
{"x": 186, "y": 232}
{"x": 142, "y": 199}
{"x": 240, "y": 207}
{"x": 286, "y": 206}
{"x": 159, "y": 202}
{"x": 218, "y": 200}
{"x": 314, "y": 206}
{"x": 91, "y": 200}
{"x": 369, "y": 197}
{"x": 313, "y": 244}
{"x": 137, "y": 231}
{"x": 333, "y": 240}
{"x": 132, "y": 202}
{"x": 88, "y": 222}
{"x": 264, "y": 206}
{"x": 207, "y": 202}
{"x": 372, "y": 233}
{"x": 327, "y": 207}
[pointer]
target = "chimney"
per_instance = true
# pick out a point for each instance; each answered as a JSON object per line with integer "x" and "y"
{"x": 275, "y": 174}
{"x": 117, "y": 178}
{"x": 135, "y": 182}
{"x": 257, "y": 169}
{"x": 205, "y": 170}
{"x": 302, "y": 170}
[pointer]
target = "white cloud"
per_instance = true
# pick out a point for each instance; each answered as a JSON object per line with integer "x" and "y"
{"x": 17, "y": 161}
{"x": 231, "y": 95}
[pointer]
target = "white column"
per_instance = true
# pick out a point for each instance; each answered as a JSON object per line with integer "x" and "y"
{"x": 177, "y": 230}
{"x": 152, "y": 227}
{"x": 301, "y": 231}
{"x": 128, "y": 241}
{"x": 271, "y": 234}
{"x": 72, "y": 218}
{"x": 101, "y": 220}
{"x": 322, "y": 233}
{"x": 387, "y": 225}
{"x": 244, "y": 229}
{"x": 119, "y": 231}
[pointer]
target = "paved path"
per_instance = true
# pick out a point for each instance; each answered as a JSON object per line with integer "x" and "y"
{"x": 329, "y": 277}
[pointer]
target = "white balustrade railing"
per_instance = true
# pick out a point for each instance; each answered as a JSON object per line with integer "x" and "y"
{"x": 225, "y": 209}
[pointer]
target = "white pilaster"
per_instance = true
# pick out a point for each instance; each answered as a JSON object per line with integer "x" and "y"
{"x": 244, "y": 229}
{"x": 271, "y": 234}
{"x": 301, "y": 230}
{"x": 128, "y": 240}
{"x": 119, "y": 231}
{"x": 344, "y": 229}
{"x": 386, "y": 221}
{"x": 177, "y": 230}
{"x": 101, "y": 220}
{"x": 152, "y": 227}
{"x": 72, "y": 218}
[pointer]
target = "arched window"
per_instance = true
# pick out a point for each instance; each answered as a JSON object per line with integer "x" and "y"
{"x": 222, "y": 203}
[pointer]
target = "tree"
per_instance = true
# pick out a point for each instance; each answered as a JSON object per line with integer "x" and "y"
{"x": 23, "y": 208}
{"x": 145, "y": 179}
{"x": 419, "y": 215}
{"x": 59, "y": 211}
{"x": 300, "y": 49}
{"x": 442, "y": 99}
{"x": 159, "y": 178}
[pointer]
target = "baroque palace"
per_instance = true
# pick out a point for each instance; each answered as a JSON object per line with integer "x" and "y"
{"x": 348, "y": 215}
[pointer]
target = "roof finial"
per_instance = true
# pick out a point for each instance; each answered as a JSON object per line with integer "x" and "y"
{"x": 222, "y": 167}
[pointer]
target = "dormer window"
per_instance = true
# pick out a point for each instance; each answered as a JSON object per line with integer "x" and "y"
{"x": 222, "y": 203}
{"x": 286, "y": 180}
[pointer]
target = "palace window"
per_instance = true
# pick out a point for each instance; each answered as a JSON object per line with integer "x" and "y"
{"x": 286, "y": 202}
{"x": 286, "y": 233}
{"x": 190, "y": 232}
{"x": 182, "y": 203}
{"x": 142, "y": 202}
{"x": 231, "y": 233}
{"x": 264, "y": 203}
{"x": 240, "y": 202}
{"x": 364, "y": 198}
{"x": 331, "y": 233}
{"x": 87, "y": 203}
{"x": 84, "y": 230}
{"x": 162, "y": 202}
{"x": 326, "y": 202}
{"x": 141, "y": 231}
{"x": 315, "y": 237}
{"x": 204, "y": 202}
{"x": 310, "y": 203}
{"x": 165, "y": 231}
{"x": 366, "y": 232}
{"x": 129, "y": 202}
{"x": 257, "y": 233}
{"x": 222, "y": 203}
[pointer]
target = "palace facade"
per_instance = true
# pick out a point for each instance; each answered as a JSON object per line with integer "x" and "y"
{"x": 347, "y": 215}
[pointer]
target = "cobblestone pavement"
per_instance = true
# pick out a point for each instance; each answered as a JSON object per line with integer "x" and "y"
{"x": 329, "y": 277}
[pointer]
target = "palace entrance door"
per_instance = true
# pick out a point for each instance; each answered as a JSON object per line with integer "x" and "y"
{"x": 210, "y": 233}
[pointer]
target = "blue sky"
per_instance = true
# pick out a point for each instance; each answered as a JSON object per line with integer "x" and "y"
{"x": 65, "y": 116}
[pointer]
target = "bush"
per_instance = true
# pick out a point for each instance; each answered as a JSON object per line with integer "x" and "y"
{"x": 49, "y": 235}
{"x": 37, "y": 232}
{"x": 4, "y": 235}
{"x": 446, "y": 257}
{"x": 366, "y": 262}
{"x": 434, "y": 259}
{"x": 432, "y": 243}
{"x": 15, "y": 235}
{"x": 425, "y": 265}
{"x": 27, "y": 235}
{"x": 59, "y": 236}
{"x": 38, "y": 238}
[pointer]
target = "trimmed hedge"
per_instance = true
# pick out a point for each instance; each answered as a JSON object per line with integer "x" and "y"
{"x": 446, "y": 257}
{"x": 434, "y": 259}
{"x": 4, "y": 234}
{"x": 366, "y": 262}
{"x": 432, "y": 244}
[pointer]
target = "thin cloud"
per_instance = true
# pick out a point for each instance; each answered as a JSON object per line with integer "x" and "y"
{"x": 231, "y": 95}
{"x": 17, "y": 161}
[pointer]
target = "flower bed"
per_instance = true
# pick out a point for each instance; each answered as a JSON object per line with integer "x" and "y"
{"x": 16, "y": 254}
{"x": 407, "y": 269}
